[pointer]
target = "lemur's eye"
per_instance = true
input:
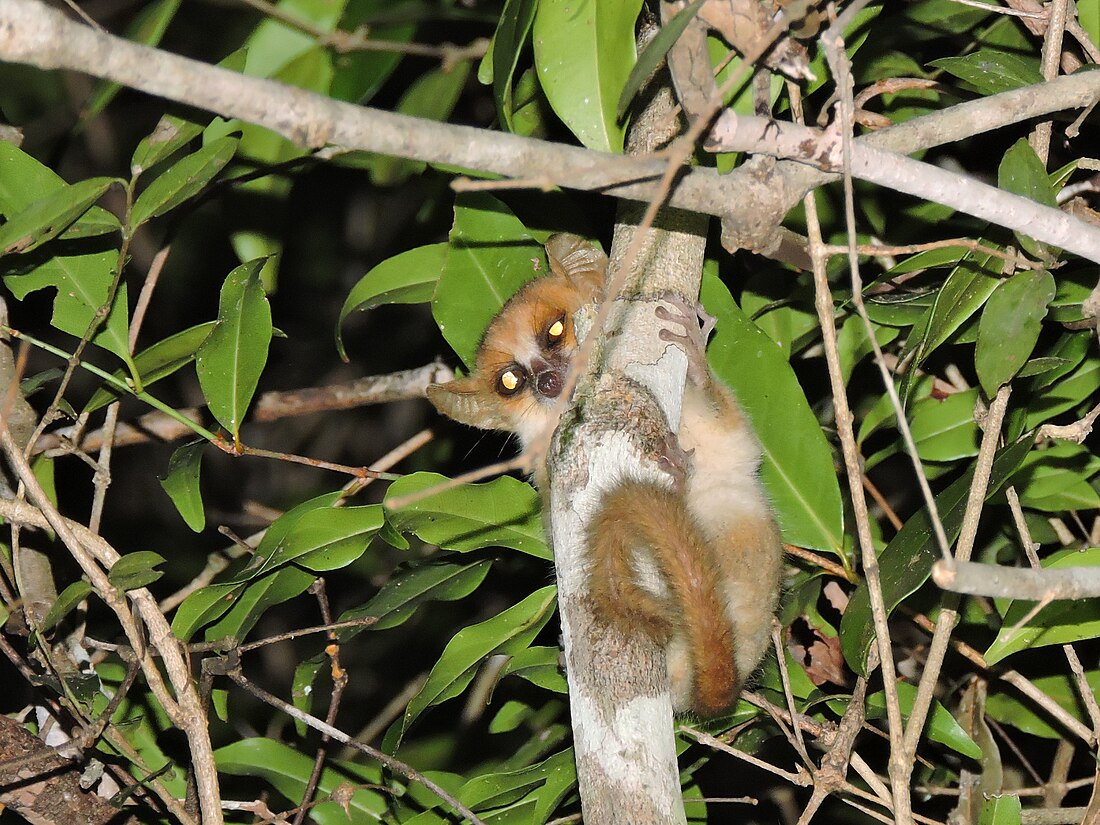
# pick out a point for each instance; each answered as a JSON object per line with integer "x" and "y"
{"x": 555, "y": 331}
{"x": 511, "y": 380}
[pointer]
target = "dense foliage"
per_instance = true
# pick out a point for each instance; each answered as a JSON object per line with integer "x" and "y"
{"x": 264, "y": 267}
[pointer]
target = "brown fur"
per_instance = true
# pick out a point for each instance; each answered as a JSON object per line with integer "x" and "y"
{"x": 637, "y": 517}
{"x": 695, "y": 568}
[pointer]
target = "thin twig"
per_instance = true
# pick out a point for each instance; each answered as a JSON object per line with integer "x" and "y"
{"x": 390, "y": 762}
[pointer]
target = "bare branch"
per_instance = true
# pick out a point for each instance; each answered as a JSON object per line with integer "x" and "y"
{"x": 976, "y": 579}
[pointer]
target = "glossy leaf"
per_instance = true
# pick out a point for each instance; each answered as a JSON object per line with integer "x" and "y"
{"x": 583, "y": 55}
{"x": 1011, "y": 709}
{"x": 48, "y": 217}
{"x": 327, "y": 538}
{"x": 1004, "y": 809}
{"x": 797, "y": 470}
{"x": 491, "y": 257}
{"x": 408, "y": 278}
{"x": 136, "y": 570}
{"x": 1022, "y": 173}
{"x": 540, "y": 666}
{"x": 945, "y": 429}
{"x": 230, "y": 360}
{"x": 508, "y": 633}
{"x": 508, "y": 42}
{"x": 402, "y": 595}
{"x": 906, "y": 562}
{"x": 83, "y": 283}
{"x": 183, "y": 180}
{"x": 992, "y": 72}
{"x": 173, "y": 132}
{"x": 181, "y": 482}
{"x": 963, "y": 293}
{"x": 357, "y": 76}
{"x": 853, "y": 345}
{"x": 65, "y": 603}
{"x": 158, "y": 361}
{"x": 1010, "y": 327}
{"x": 248, "y": 604}
{"x": 1065, "y": 393}
{"x": 1056, "y": 479}
{"x": 504, "y": 512}
{"x": 1061, "y": 622}
{"x": 24, "y": 181}
{"x": 210, "y": 603}
{"x": 940, "y": 725}
{"x": 288, "y": 772}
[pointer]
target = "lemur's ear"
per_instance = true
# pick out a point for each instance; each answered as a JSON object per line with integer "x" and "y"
{"x": 464, "y": 400}
{"x": 575, "y": 259}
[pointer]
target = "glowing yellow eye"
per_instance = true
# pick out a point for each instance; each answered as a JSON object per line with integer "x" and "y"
{"x": 509, "y": 381}
{"x": 557, "y": 329}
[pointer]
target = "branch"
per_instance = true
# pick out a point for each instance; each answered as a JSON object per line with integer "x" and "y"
{"x": 90, "y": 551}
{"x": 620, "y": 702}
{"x": 736, "y": 133}
{"x": 976, "y": 579}
{"x": 34, "y": 34}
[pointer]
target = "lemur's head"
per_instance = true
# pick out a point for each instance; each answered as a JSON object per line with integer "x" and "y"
{"x": 525, "y": 354}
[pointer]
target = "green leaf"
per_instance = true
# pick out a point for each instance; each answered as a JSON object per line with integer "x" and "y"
{"x": 963, "y": 293}
{"x": 1041, "y": 366}
{"x": 1066, "y": 393}
{"x": 992, "y": 72}
{"x": 508, "y": 41}
{"x": 797, "y": 470}
{"x": 51, "y": 215}
{"x": 136, "y": 570}
{"x": 82, "y": 283}
{"x": 403, "y": 594}
{"x": 941, "y": 726}
{"x": 1001, "y": 810}
{"x": 504, "y": 512}
{"x": 540, "y": 666}
{"x": 357, "y": 76}
{"x": 945, "y": 429}
{"x": 181, "y": 482}
{"x": 408, "y": 278}
{"x": 70, "y": 597}
{"x": 491, "y": 257}
{"x": 1023, "y": 714}
{"x": 1022, "y": 173}
{"x": 906, "y": 562}
{"x": 1056, "y": 479}
{"x": 584, "y": 52}
{"x": 173, "y": 132}
{"x": 231, "y": 359}
{"x": 183, "y": 180}
{"x": 158, "y": 361}
{"x": 246, "y": 605}
{"x": 213, "y": 601}
{"x": 1061, "y": 622}
{"x": 653, "y": 54}
{"x": 288, "y": 772}
{"x": 326, "y": 539}
{"x": 853, "y": 345}
{"x": 507, "y": 633}
{"x": 24, "y": 181}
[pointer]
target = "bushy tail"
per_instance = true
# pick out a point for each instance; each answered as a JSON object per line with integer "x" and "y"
{"x": 641, "y": 518}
